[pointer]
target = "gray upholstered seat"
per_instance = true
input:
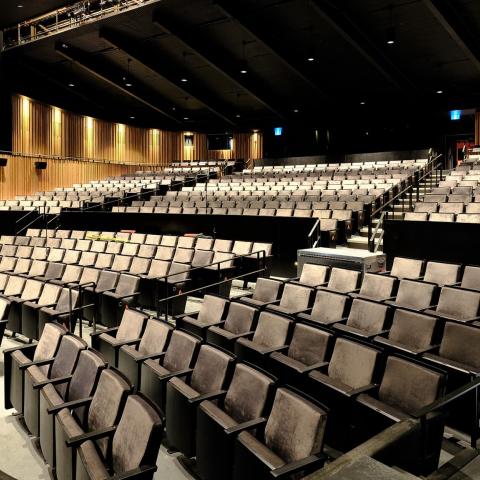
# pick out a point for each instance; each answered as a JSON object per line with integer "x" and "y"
{"x": 294, "y": 432}
{"x": 266, "y": 291}
{"x": 415, "y": 295}
{"x": 245, "y": 400}
{"x": 376, "y": 287}
{"x": 442, "y": 273}
{"x": 408, "y": 268}
{"x": 328, "y": 308}
{"x": 471, "y": 278}
{"x": 209, "y": 376}
{"x": 294, "y": 299}
{"x": 343, "y": 281}
{"x": 313, "y": 275}
{"x": 457, "y": 304}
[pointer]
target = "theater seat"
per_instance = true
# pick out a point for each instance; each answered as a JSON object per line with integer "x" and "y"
{"x": 328, "y": 308}
{"x": 312, "y": 275}
{"x": 266, "y": 291}
{"x": 408, "y": 268}
{"x": 442, "y": 273}
{"x": 415, "y": 217}
{"x": 211, "y": 313}
{"x": 154, "y": 341}
{"x": 342, "y": 280}
{"x": 80, "y": 384}
{"x": 471, "y": 278}
{"x": 457, "y": 305}
{"x": 294, "y": 299}
{"x": 290, "y": 444}
{"x": 413, "y": 295}
{"x": 35, "y": 378}
{"x": 376, "y": 287}
{"x": 103, "y": 412}
{"x": 108, "y": 342}
{"x": 158, "y": 370}
{"x": 245, "y": 402}
{"x": 240, "y": 322}
{"x": 206, "y": 381}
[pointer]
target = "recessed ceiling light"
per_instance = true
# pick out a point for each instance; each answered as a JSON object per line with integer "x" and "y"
{"x": 391, "y": 36}
{"x": 184, "y": 80}
{"x": 19, "y": 6}
{"x": 185, "y": 118}
{"x": 295, "y": 110}
{"x": 237, "y": 115}
{"x": 71, "y": 84}
{"x": 128, "y": 84}
{"x": 310, "y": 59}
{"x": 243, "y": 71}
{"x": 362, "y": 102}
{"x": 439, "y": 92}
{"x": 133, "y": 118}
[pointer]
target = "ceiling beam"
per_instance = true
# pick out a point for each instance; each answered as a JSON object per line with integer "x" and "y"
{"x": 293, "y": 60}
{"x": 112, "y": 75}
{"x": 451, "y": 20}
{"x": 163, "y": 67}
{"x": 220, "y": 60}
{"x": 360, "y": 41}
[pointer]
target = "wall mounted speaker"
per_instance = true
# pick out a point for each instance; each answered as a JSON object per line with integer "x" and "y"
{"x": 40, "y": 165}
{"x": 3, "y": 162}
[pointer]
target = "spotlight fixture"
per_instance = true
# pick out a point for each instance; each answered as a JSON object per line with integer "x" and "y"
{"x": 132, "y": 118}
{"x": 237, "y": 115}
{"x": 363, "y": 102}
{"x": 296, "y": 110}
{"x": 19, "y": 6}
{"x": 243, "y": 70}
{"x": 184, "y": 80}
{"x": 310, "y": 59}
{"x": 71, "y": 84}
{"x": 439, "y": 92}
{"x": 185, "y": 118}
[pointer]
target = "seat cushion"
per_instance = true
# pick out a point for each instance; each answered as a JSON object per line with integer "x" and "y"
{"x": 262, "y": 452}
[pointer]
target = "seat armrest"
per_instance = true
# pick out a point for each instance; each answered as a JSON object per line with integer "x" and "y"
{"x": 242, "y": 335}
{"x": 150, "y": 357}
{"x": 315, "y": 366}
{"x": 275, "y": 349}
{"x": 37, "y": 363}
{"x": 77, "y": 440}
{"x": 366, "y": 388}
{"x": 107, "y": 330}
{"x": 52, "y": 381}
{"x": 70, "y": 405}
{"x": 138, "y": 473}
{"x": 22, "y": 348}
{"x": 459, "y": 367}
{"x": 179, "y": 373}
{"x": 251, "y": 424}
{"x": 134, "y": 341}
{"x": 207, "y": 396}
{"x": 134, "y": 294}
{"x": 288, "y": 470}
{"x": 183, "y": 315}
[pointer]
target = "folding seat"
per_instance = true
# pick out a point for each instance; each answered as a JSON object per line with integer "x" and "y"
{"x": 79, "y": 385}
{"x": 450, "y": 207}
{"x": 63, "y": 233}
{"x": 183, "y": 255}
{"x": 121, "y": 263}
{"x": 98, "y": 246}
{"x": 71, "y": 275}
{"x": 294, "y": 299}
{"x": 37, "y": 268}
{"x": 284, "y": 212}
{"x": 442, "y": 273}
{"x": 457, "y": 305}
{"x": 473, "y": 208}
{"x": 271, "y": 335}
{"x": 53, "y": 242}
{"x": 460, "y": 198}
{"x": 18, "y": 359}
{"x": 123, "y": 236}
{"x": 83, "y": 245}
{"x": 211, "y": 313}
{"x": 150, "y": 282}
{"x": 35, "y": 378}
{"x": 24, "y": 252}
{"x": 178, "y": 359}
{"x": 103, "y": 412}
{"x": 147, "y": 251}
{"x": 236, "y": 409}
{"x": 266, "y": 212}
{"x": 441, "y": 217}
{"x": 308, "y": 350}
{"x": 471, "y": 278}
{"x": 40, "y": 253}
{"x": 21, "y": 240}
{"x": 441, "y": 190}
{"x": 413, "y": 295}
{"x": 7, "y": 264}
{"x": 425, "y": 207}
{"x": 366, "y": 319}
{"x": 129, "y": 332}
{"x": 87, "y": 259}
{"x": 266, "y": 291}
{"x": 106, "y": 281}
{"x": 405, "y": 389}
{"x": 113, "y": 248}
{"x": 468, "y": 218}
{"x": 37, "y": 242}
{"x": 435, "y": 198}
{"x": 266, "y": 454}
{"x": 272, "y": 204}
{"x": 416, "y": 217}
{"x": 71, "y": 257}
{"x": 462, "y": 190}
{"x": 376, "y": 287}
{"x": 343, "y": 280}
{"x": 222, "y": 245}
{"x": 206, "y": 381}
{"x": 406, "y": 268}
{"x": 312, "y": 275}
{"x": 165, "y": 253}
{"x": 257, "y": 204}
{"x": 138, "y": 237}
{"x": 328, "y": 308}
{"x": 68, "y": 243}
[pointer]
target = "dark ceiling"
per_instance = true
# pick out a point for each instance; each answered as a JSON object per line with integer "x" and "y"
{"x": 354, "y": 73}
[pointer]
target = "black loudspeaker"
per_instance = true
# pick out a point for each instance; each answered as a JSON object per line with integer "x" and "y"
{"x": 3, "y": 162}
{"x": 40, "y": 165}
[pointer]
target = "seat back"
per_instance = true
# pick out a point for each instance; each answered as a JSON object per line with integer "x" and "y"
{"x": 240, "y": 318}
{"x": 121, "y": 263}
{"x": 210, "y": 370}
{"x": 107, "y": 403}
{"x": 471, "y": 278}
{"x": 352, "y": 363}
{"x": 14, "y": 286}
{"x": 329, "y": 306}
{"x": 461, "y": 304}
{"x": 415, "y": 294}
{"x": 272, "y": 330}
{"x": 202, "y": 258}
{"x": 267, "y": 290}
{"x": 377, "y": 286}
{"x": 295, "y": 427}
{"x": 107, "y": 280}
{"x": 343, "y": 280}
{"x": 313, "y": 275}
{"x": 158, "y": 268}
{"x": 138, "y": 435}
{"x": 85, "y": 375}
{"x": 127, "y": 284}
{"x": 54, "y": 270}
{"x": 295, "y": 297}
{"x": 66, "y": 359}
{"x": 49, "y": 294}
{"x": 409, "y": 386}
{"x": 412, "y": 329}
{"x": 368, "y": 316}
{"x": 155, "y": 337}
{"x": 442, "y": 273}
{"x": 459, "y": 343}
{"x": 66, "y": 299}
{"x": 247, "y": 394}
{"x": 183, "y": 255}
{"x": 147, "y": 251}
{"x": 212, "y": 309}
{"x": 406, "y": 268}
{"x": 309, "y": 344}
{"x": 31, "y": 290}
{"x": 131, "y": 325}
{"x": 89, "y": 275}
{"x": 180, "y": 351}
{"x": 49, "y": 342}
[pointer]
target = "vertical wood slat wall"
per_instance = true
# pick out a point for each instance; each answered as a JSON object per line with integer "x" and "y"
{"x": 46, "y": 130}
